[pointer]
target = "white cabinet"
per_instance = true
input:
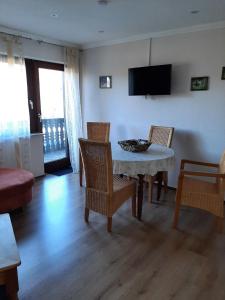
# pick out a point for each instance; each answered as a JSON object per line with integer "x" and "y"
{"x": 37, "y": 154}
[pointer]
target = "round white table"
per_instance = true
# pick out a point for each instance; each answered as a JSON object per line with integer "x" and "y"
{"x": 154, "y": 161}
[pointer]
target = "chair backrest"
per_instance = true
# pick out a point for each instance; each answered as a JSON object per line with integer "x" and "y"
{"x": 161, "y": 135}
{"x": 222, "y": 171}
{"x": 98, "y": 131}
{"x": 222, "y": 164}
{"x": 97, "y": 159}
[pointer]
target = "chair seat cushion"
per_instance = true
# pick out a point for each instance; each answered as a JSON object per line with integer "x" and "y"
{"x": 121, "y": 182}
{"x": 14, "y": 181}
{"x": 123, "y": 188}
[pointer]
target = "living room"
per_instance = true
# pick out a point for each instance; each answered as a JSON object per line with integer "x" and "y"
{"x": 62, "y": 256}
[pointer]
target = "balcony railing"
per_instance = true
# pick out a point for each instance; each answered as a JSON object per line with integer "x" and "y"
{"x": 54, "y": 135}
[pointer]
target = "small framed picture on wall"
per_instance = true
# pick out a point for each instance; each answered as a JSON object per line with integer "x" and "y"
{"x": 223, "y": 73}
{"x": 105, "y": 82}
{"x": 199, "y": 83}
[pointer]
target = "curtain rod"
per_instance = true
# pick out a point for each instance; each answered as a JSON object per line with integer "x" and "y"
{"x": 33, "y": 39}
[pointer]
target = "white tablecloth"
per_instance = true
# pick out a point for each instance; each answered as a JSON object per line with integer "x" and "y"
{"x": 156, "y": 158}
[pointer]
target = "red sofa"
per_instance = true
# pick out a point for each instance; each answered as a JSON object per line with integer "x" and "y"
{"x": 15, "y": 188}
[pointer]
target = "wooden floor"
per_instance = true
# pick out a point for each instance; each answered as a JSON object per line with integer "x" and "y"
{"x": 63, "y": 258}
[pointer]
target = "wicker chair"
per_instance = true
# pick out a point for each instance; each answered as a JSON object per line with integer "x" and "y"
{"x": 196, "y": 192}
{"x": 162, "y": 136}
{"x": 105, "y": 193}
{"x": 97, "y": 131}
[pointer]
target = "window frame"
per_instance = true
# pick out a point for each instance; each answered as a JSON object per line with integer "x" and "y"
{"x": 33, "y": 90}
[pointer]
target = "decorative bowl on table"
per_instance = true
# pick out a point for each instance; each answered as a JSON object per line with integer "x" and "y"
{"x": 134, "y": 145}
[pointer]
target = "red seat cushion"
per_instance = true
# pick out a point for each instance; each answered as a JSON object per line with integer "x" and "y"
{"x": 14, "y": 183}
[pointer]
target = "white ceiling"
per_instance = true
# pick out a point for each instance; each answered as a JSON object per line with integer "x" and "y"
{"x": 79, "y": 21}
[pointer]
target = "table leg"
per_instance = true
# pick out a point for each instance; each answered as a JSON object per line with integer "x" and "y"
{"x": 10, "y": 279}
{"x": 159, "y": 179}
{"x": 81, "y": 169}
{"x": 140, "y": 196}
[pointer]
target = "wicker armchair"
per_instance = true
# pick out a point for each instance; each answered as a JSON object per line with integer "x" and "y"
{"x": 162, "y": 136}
{"x": 97, "y": 131}
{"x": 105, "y": 193}
{"x": 193, "y": 191}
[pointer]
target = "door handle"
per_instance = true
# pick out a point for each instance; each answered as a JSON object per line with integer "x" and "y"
{"x": 39, "y": 116}
{"x": 31, "y": 103}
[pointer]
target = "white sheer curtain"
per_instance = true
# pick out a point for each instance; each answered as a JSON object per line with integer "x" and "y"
{"x": 14, "y": 112}
{"x": 73, "y": 114}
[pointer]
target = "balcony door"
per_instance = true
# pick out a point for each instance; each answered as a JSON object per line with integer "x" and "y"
{"x": 46, "y": 105}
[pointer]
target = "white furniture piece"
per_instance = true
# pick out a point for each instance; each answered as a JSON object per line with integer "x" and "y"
{"x": 9, "y": 258}
{"x": 37, "y": 154}
{"x": 154, "y": 161}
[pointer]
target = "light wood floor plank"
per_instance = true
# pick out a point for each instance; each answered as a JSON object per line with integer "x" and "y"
{"x": 63, "y": 258}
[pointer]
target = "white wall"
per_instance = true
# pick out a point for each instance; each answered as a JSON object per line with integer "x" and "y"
{"x": 37, "y": 50}
{"x": 198, "y": 117}
{"x": 43, "y": 51}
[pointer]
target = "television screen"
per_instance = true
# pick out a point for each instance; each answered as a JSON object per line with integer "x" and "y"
{"x": 150, "y": 80}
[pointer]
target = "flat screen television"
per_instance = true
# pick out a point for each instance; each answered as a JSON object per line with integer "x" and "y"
{"x": 150, "y": 80}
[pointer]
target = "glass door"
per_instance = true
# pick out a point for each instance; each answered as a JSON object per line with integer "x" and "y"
{"x": 52, "y": 114}
{"x": 46, "y": 102}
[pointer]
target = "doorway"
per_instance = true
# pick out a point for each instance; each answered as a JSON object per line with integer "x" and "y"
{"x": 46, "y": 106}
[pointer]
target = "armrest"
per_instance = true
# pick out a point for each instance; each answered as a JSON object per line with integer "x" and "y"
{"x": 203, "y": 174}
{"x": 200, "y": 163}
